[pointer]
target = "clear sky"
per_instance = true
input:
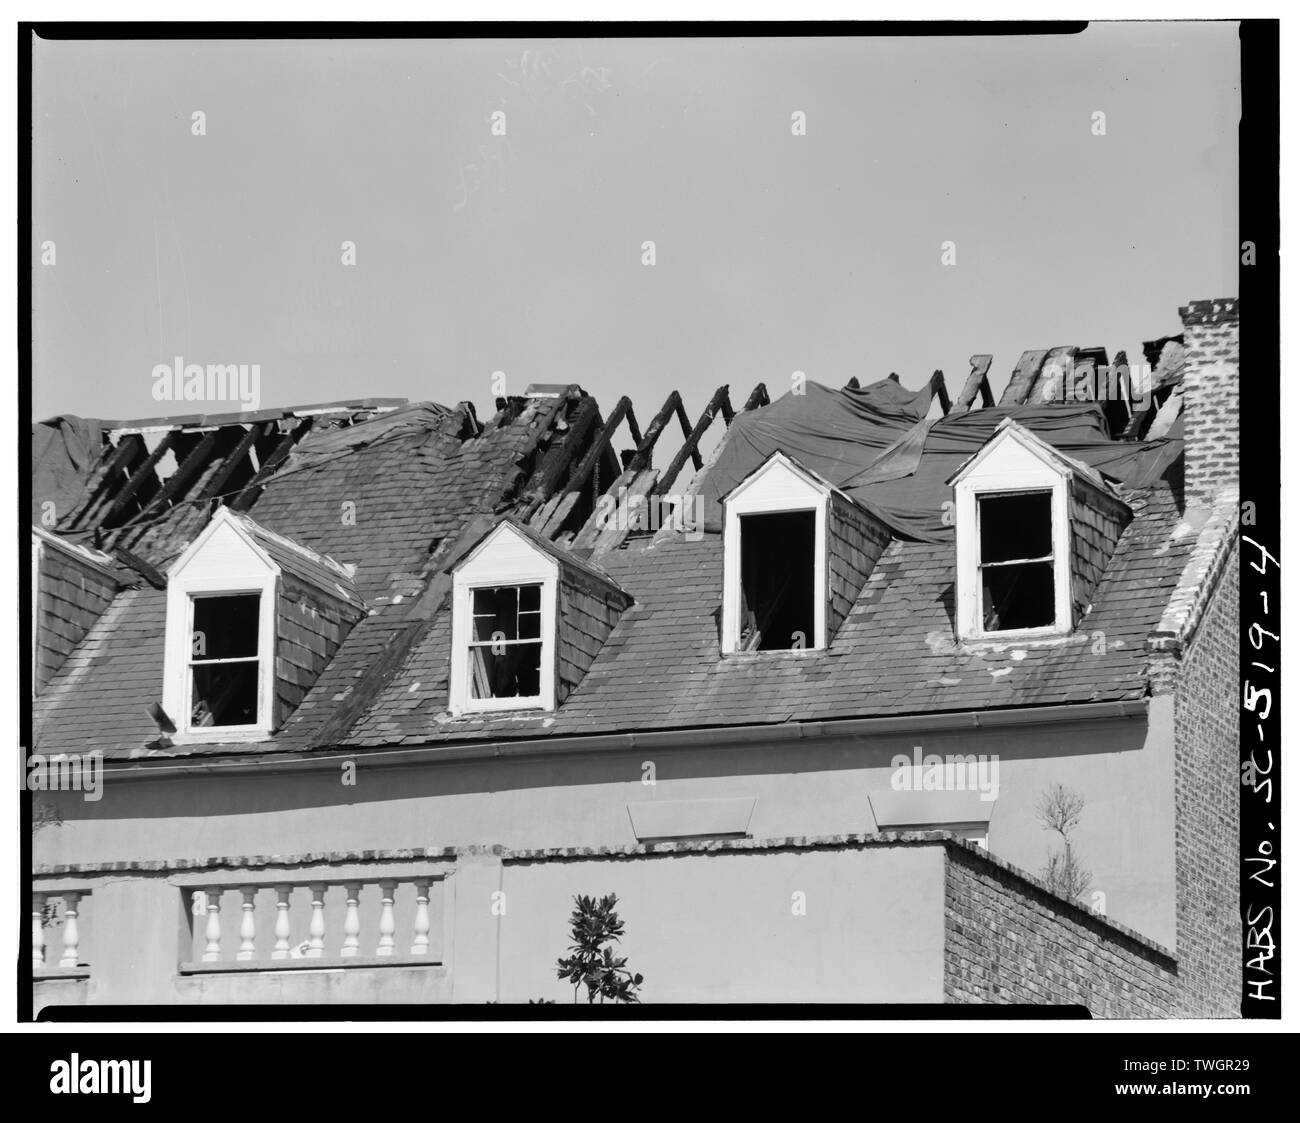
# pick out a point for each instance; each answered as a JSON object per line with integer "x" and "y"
{"x": 476, "y": 253}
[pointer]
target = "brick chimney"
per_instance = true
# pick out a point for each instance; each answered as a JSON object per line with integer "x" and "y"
{"x": 1210, "y": 398}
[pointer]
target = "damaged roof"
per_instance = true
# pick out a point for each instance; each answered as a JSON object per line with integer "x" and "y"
{"x": 401, "y": 494}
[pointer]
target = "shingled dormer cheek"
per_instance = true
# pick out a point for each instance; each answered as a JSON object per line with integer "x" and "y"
{"x": 252, "y": 619}
{"x": 1034, "y": 532}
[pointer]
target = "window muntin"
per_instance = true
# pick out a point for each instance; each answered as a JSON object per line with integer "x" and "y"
{"x": 505, "y": 647}
{"x": 224, "y": 666}
{"x": 778, "y": 559}
{"x": 1017, "y": 564}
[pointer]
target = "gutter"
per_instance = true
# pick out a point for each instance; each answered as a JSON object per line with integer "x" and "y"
{"x": 697, "y": 737}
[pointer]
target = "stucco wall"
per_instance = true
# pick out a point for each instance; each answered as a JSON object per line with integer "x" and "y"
{"x": 901, "y": 917}
{"x": 1122, "y": 768}
{"x": 822, "y": 920}
{"x": 818, "y": 925}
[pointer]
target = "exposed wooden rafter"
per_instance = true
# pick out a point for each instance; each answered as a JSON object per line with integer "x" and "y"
{"x": 174, "y": 488}
{"x": 248, "y": 496}
{"x": 145, "y": 473}
{"x": 719, "y": 403}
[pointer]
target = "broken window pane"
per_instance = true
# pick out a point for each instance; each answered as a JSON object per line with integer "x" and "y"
{"x": 224, "y": 694}
{"x": 505, "y": 654}
{"x": 1015, "y": 527}
{"x": 224, "y": 660}
{"x": 777, "y": 577}
{"x": 1018, "y": 583}
{"x": 1019, "y": 596}
{"x": 225, "y": 627}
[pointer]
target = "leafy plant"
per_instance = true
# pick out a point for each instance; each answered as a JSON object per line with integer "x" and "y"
{"x": 1059, "y": 809}
{"x": 594, "y": 928}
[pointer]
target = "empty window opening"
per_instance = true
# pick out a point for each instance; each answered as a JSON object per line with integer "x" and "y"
{"x": 777, "y": 580}
{"x": 1017, "y": 578}
{"x": 505, "y": 648}
{"x": 224, "y": 660}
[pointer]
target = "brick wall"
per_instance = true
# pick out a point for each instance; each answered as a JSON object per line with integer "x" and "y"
{"x": 1007, "y": 940}
{"x": 70, "y": 598}
{"x": 855, "y": 541}
{"x": 1096, "y": 522}
{"x": 1210, "y": 397}
{"x": 1206, "y": 800}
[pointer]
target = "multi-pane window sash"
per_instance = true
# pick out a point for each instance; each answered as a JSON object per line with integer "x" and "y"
{"x": 224, "y": 661}
{"x": 505, "y": 646}
{"x": 1016, "y": 560}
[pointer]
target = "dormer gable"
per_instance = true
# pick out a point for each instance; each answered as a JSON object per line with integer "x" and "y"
{"x": 252, "y": 620}
{"x": 796, "y": 552}
{"x": 1035, "y": 530}
{"x": 528, "y": 619}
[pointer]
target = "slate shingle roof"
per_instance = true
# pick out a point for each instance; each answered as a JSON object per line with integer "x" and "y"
{"x": 303, "y": 564}
{"x": 895, "y": 654}
{"x": 659, "y": 668}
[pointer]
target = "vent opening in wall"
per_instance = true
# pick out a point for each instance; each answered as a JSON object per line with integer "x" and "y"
{"x": 224, "y": 660}
{"x": 505, "y": 651}
{"x": 778, "y": 580}
{"x": 1016, "y": 561}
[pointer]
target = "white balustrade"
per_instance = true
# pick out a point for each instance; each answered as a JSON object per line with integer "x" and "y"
{"x": 247, "y": 926}
{"x": 282, "y": 929}
{"x": 352, "y": 921}
{"x": 316, "y": 929}
{"x": 310, "y": 911}
{"x": 71, "y": 935}
{"x": 212, "y": 934}
{"x": 387, "y": 921}
{"x": 38, "y": 931}
{"x": 420, "y": 941}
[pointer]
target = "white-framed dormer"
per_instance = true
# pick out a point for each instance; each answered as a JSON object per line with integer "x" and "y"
{"x": 1015, "y": 541}
{"x": 219, "y": 654}
{"x": 774, "y": 545}
{"x": 503, "y": 629}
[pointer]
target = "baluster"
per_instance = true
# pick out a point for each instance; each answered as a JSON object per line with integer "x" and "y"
{"x": 70, "y": 934}
{"x": 248, "y": 925}
{"x": 38, "y": 931}
{"x": 387, "y": 922}
{"x": 352, "y": 921}
{"x": 420, "y": 943}
{"x": 212, "y": 933}
{"x": 281, "y": 950}
{"x": 316, "y": 930}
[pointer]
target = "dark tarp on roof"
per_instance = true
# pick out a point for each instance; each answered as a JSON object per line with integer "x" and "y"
{"x": 905, "y": 482}
{"x": 64, "y": 451}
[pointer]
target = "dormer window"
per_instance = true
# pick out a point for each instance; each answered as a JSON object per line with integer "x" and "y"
{"x": 1017, "y": 566}
{"x": 505, "y": 653}
{"x": 503, "y": 626}
{"x": 225, "y": 661}
{"x": 778, "y": 580}
{"x": 796, "y": 553}
{"x": 527, "y": 620}
{"x": 1035, "y": 530}
{"x": 252, "y": 619}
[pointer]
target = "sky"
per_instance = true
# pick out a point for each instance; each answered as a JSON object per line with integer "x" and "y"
{"x": 220, "y": 239}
